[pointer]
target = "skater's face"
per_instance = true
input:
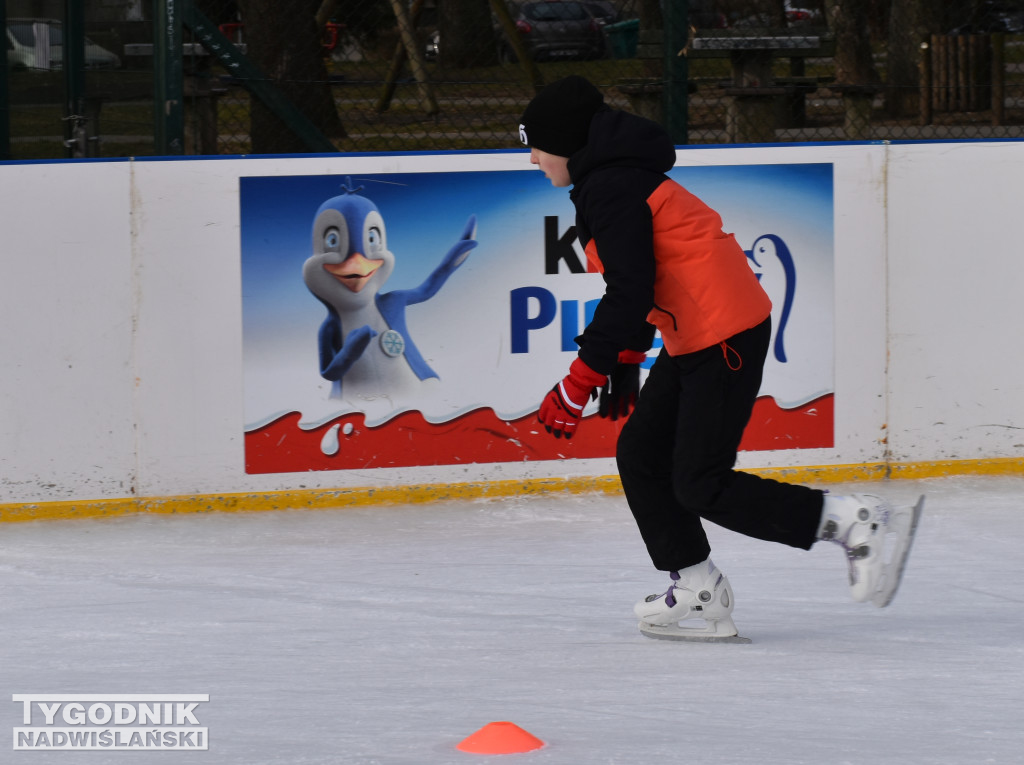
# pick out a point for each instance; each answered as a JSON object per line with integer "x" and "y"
{"x": 555, "y": 168}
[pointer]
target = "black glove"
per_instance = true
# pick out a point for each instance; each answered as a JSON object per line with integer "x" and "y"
{"x": 618, "y": 396}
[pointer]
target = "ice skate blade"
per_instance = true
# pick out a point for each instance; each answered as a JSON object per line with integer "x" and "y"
{"x": 672, "y": 632}
{"x": 894, "y": 569}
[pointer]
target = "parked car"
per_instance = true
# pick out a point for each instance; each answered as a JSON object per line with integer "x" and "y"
{"x": 433, "y": 48}
{"x": 603, "y": 11}
{"x": 991, "y": 16}
{"x": 796, "y": 16}
{"x": 23, "y": 51}
{"x": 556, "y": 29}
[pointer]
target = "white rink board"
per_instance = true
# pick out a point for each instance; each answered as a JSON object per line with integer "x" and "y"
{"x": 956, "y": 278}
{"x": 66, "y": 306}
{"x": 122, "y": 309}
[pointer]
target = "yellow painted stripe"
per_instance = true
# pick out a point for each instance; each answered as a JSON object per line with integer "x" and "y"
{"x": 320, "y": 499}
{"x": 918, "y": 470}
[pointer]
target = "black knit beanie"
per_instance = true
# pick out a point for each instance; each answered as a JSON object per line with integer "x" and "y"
{"x": 557, "y": 120}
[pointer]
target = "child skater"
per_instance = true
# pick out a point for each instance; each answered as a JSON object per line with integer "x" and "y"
{"x": 667, "y": 265}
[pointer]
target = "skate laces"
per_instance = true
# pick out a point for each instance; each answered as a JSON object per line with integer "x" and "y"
{"x": 875, "y": 524}
{"x": 690, "y": 585}
{"x": 862, "y": 550}
{"x": 670, "y": 593}
{"x": 877, "y": 519}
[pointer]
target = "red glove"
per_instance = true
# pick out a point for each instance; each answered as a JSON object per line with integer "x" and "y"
{"x": 618, "y": 396}
{"x": 563, "y": 406}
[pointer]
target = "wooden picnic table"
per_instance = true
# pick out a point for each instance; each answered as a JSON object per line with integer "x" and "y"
{"x": 759, "y": 102}
{"x": 754, "y": 91}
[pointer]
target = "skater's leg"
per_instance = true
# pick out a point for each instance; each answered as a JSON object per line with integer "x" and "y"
{"x": 695, "y": 408}
{"x": 717, "y": 390}
{"x": 674, "y": 536}
{"x": 716, "y": 399}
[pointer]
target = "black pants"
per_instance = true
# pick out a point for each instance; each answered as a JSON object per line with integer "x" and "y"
{"x": 677, "y": 451}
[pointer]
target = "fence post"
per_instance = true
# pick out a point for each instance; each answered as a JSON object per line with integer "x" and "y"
{"x": 676, "y": 68}
{"x": 75, "y": 131}
{"x": 5, "y": 98}
{"x": 998, "y": 79}
{"x": 943, "y": 93}
{"x": 169, "y": 77}
{"x": 926, "y": 84}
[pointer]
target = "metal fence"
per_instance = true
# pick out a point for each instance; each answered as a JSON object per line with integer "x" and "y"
{"x": 156, "y": 77}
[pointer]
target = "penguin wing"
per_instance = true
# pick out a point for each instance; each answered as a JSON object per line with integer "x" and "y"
{"x": 454, "y": 258}
{"x": 392, "y": 304}
{"x": 337, "y": 357}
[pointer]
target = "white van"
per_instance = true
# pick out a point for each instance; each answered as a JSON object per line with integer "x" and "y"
{"x": 39, "y": 44}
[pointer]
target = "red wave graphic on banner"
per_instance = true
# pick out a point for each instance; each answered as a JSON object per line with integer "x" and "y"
{"x": 481, "y": 436}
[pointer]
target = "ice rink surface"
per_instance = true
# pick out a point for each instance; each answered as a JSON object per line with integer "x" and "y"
{"x": 387, "y": 635}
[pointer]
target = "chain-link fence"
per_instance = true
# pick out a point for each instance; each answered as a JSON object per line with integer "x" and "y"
{"x": 149, "y": 77}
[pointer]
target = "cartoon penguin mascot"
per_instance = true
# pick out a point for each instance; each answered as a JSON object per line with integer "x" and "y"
{"x": 766, "y": 248}
{"x": 364, "y": 338}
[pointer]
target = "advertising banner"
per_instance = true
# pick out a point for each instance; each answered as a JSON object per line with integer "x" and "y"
{"x": 401, "y": 319}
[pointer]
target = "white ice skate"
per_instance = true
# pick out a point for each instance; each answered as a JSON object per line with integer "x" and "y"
{"x": 701, "y": 593}
{"x": 876, "y": 537}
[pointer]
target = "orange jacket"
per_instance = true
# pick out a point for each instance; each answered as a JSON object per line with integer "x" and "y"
{"x": 665, "y": 260}
{"x": 704, "y": 290}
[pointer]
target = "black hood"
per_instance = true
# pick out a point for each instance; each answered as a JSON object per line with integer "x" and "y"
{"x": 621, "y": 139}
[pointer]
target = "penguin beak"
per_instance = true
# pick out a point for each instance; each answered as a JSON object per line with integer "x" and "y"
{"x": 355, "y": 271}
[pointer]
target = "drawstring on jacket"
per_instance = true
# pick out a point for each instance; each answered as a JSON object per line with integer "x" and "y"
{"x": 726, "y": 350}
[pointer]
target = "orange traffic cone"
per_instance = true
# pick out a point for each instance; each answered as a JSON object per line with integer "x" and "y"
{"x": 499, "y": 738}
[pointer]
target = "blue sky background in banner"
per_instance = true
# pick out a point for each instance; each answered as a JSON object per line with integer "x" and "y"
{"x": 463, "y": 331}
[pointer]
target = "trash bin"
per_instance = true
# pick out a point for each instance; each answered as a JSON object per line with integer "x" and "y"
{"x": 623, "y": 38}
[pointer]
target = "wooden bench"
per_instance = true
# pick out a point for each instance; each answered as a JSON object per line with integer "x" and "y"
{"x": 790, "y": 99}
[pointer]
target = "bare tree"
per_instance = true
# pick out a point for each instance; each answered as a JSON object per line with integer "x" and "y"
{"x": 777, "y": 13}
{"x": 848, "y": 20}
{"x": 649, "y": 12}
{"x": 911, "y": 21}
{"x": 468, "y": 37}
{"x": 284, "y": 41}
